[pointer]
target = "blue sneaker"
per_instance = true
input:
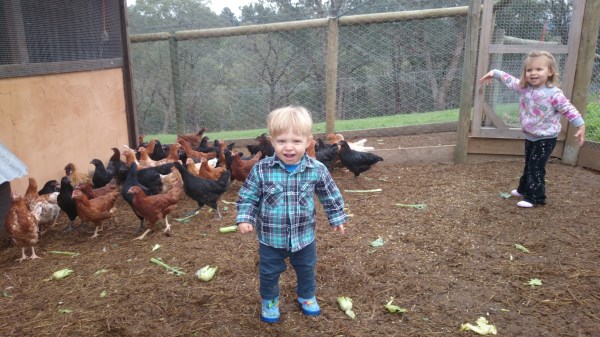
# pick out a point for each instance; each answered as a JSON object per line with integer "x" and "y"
{"x": 309, "y": 306}
{"x": 270, "y": 310}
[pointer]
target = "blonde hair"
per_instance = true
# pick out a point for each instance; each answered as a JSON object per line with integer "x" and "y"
{"x": 295, "y": 118}
{"x": 553, "y": 80}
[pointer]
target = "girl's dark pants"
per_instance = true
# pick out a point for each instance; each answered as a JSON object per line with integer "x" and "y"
{"x": 272, "y": 263}
{"x": 532, "y": 183}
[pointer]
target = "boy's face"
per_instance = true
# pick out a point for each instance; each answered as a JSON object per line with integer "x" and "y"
{"x": 289, "y": 147}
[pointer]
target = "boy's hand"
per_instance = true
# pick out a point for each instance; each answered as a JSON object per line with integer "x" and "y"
{"x": 245, "y": 227}
{"x": 580, "y": 135}
{"x": 487, "y": 78}
{"x": 339, "y": 228}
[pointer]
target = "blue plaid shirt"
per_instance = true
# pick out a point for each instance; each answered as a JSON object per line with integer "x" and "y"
{"x": 280, "y": 204}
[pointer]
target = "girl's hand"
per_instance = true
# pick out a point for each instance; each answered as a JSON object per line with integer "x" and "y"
{"x": 487, "y": 78}
{"x": 339, "y": 228}
{"x": 245, "y": 227}
{"x": 580, "y": 135}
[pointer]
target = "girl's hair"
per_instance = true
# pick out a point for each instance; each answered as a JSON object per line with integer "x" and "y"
{"x": 553, "y": 80}
{"x": 295, "y": 118}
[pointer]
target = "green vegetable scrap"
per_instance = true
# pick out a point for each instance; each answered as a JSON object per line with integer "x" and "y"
{"x": 416, "y": 206}
{"x": 101, "y": 271}
{"x": 394, "y": 308}
{"x": 174, "y": 270}
{"x": 65, "y": 311}
{"x": 521, "y": 248}
{"x": 206, "y": 273}
{"x": 229, "y": 229}
{"x": 534, "y": 282}
{"x": 63, "y": 253}
{"x": 187, "y": 218}
{"x": 345, "y": 304}
{"x": 482, "y": 327}
{"x": 377, "y": 243}
{"x": 103, "y": 293}
{"x": 60, "y": 274}
{"x": 364, "y": 191}
{"x": 155, "y": 247}
{"x": 505, "y": 195}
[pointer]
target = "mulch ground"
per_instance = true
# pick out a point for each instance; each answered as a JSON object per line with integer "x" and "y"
{"x": 448, "y": 263}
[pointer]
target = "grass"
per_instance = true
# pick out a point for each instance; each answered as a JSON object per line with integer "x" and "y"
{"x": 507, "y": 112}
{"x": 340, "y": 125}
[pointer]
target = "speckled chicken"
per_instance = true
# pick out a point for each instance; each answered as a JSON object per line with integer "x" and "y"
{"x": 44, "y": 207}
{"x": 22, "y": 226}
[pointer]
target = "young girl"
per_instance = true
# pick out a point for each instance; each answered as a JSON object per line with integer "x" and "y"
{"x": 540, "y": 107}
{"x": 277, "y": 200}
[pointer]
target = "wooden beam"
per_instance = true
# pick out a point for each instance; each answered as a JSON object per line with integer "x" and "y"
{"x": 583, "y": 73}
{"x": 468, "y": 80}
{"x": 417, "y": 155}
{"x": 333, "y": 34}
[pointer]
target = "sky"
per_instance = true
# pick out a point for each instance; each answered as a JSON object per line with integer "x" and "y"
{"x": 218, "y": 5}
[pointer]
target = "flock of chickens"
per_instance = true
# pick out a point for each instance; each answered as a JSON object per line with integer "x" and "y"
{"x": 151, "y": 179}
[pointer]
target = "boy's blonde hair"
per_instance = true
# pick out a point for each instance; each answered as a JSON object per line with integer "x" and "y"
{"x": 295, "y": 118}
{"x": 553, "y": 80}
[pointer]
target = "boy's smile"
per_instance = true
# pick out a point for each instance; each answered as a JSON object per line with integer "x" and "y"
{"x": 289, "y": 147}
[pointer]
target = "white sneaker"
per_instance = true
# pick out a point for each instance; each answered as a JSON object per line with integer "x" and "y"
{"x": 516, "y": 193}
{"x": 524, "y": 204}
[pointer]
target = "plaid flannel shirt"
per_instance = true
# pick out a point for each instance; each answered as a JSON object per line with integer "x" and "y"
{"x": 280, "y": 205}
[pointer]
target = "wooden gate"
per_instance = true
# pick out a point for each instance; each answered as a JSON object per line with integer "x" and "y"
{"x": 492, "y": 119}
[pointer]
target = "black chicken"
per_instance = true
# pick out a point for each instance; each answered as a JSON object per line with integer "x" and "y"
{"x": 327, "y": 154}
{"x": 264, "y": 145}
{"x": 355, "y": 161}
{"x": 116, "y": 167}
{"x": 204, "y": 191}
{"x": 66, "y": 202}
{"x": 50, "y": 186}
{"x": 101, "y": 177}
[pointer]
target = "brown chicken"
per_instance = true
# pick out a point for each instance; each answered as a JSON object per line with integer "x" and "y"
{"x": 208, "y": 171}
{"x": 95, "y": 210}
{"x": 241, "y": 168}
{"x": 22, "y": 226}
{"x": 310, "y": 149}
{"x": 192, "y": 166}
{"x": 75, "y": 176}
{"x": 154, "y": 207}
{"x": 93, "y": 193}
{"x": 191, "y": 153}
{"x": 145, "y": 160}
{"x": 129, "y": 155}
{"x": 194, "y": 138}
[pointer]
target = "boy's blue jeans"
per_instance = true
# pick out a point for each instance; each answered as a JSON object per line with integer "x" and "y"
{"x": 272, "y": 263}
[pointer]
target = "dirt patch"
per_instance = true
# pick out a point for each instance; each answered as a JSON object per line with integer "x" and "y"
{"x": 447, "y": 264}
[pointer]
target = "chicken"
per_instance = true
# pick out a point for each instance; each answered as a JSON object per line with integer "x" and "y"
{"x": 264, "y": 146}
{"x": 44, "y": 207}
{"x": 154, "y": 207}
{"x": 95, "y": 210}
{"x": 357, "y": 146}
{"x": 191, "y": 153}
{"x": 192, "y": 166}
{"x": 204, "y": 191}
{"x": 327, "y": 154}
{"x": 130, "y": 181}
{"x": 241, "y": 168}
{"x": 194, "y": 138}
{"x": 171, "y": 180}
{"x": 66, "y": 202}
{"x": 49, "y": 187}
{"x": 75, "y": 176}
{"x": 101, "y": 177}
{"x": 204, "y": 147}
{"x": 155, "y": 150}
{"x": 310, "y": 149}
{"x": 144, "y": 159}
{"x": 22, "y": 226}
{"x": 209, "y": 172}
{"x": 92, "y": 193}
{"x": 356, "y": 161}
{"x": 116, "y": 167}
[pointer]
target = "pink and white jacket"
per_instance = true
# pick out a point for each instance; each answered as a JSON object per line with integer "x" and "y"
{"x": 540, "y": 108}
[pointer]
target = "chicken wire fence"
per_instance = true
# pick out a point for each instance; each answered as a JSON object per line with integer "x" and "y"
{"x": 411, "y": 66}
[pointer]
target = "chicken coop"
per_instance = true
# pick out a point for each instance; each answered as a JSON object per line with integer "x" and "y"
{"x": 75, "y": 81}
{"x": 65, "y": 83}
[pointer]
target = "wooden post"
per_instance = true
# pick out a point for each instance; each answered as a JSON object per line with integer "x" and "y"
{"x": 174, "y": 54}
{"x": 583, "y": 74}
{"x": 331, "y": 74}
{"x": 468, "y": 78}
